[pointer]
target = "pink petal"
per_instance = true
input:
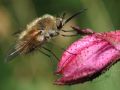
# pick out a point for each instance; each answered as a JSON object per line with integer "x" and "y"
{"x": 113, "y": 37}
{"x": 87, "y": 58}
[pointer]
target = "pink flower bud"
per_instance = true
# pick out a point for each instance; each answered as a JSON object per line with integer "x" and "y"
{"x": 89, "y": 57}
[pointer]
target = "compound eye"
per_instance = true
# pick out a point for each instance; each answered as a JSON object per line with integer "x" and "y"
{"x": 41, "y": 32}
{"x": 59, "y": 23}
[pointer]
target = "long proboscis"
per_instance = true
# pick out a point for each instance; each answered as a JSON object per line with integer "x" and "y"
{"x": 74, "y": 15}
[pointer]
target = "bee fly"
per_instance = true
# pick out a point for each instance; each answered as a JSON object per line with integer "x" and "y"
{"x": 37, "y": 33}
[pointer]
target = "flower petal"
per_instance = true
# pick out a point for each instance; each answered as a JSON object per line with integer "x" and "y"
{"x": 113, "y": 37}
{"x": 85, "y": 59}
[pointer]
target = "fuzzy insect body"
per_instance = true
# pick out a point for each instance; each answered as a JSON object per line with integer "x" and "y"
{"x": 38, "y": 32}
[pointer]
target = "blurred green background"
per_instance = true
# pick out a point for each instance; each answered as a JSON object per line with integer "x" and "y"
{"x": 36, "y": 71}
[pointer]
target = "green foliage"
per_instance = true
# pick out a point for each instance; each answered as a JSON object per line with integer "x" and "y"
{"x": 35, "y": 72}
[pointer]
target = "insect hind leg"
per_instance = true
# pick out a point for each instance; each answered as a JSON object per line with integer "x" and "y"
{"x": 51, "y": 52}
{"x": 44, "y": 53}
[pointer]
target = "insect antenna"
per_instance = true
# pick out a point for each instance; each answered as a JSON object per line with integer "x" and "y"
{"x": 63, "y": 16}
{"x": 74, "y": 15}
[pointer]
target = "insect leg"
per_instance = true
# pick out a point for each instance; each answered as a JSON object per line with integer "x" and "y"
{"x": 63, "y": 49}
{"x": 69, "y": 35}
{"x": 68, "y": 30}
{"x": 82, "y": 31}
{"x": 44, "y": 53}
{"x": 79, "y": 31}
{"x": 68, "y": 51}
{"x": 51, "y": 52}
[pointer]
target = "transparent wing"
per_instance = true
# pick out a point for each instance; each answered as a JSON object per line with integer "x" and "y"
{"x": 12, "y": 53}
